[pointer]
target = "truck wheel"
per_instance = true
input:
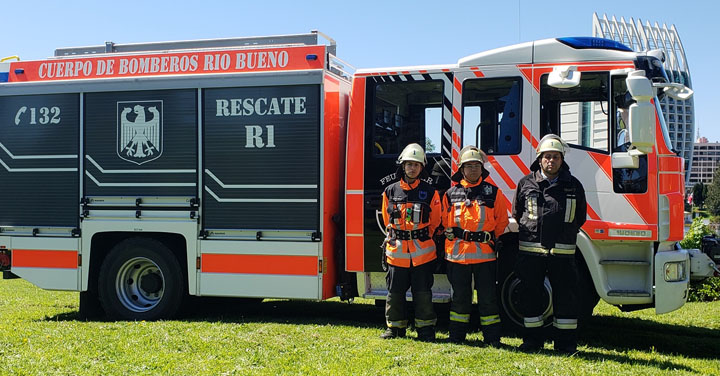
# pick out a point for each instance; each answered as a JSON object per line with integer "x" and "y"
{"x": 140, "y": 279}
{"x": 511, "y": 307}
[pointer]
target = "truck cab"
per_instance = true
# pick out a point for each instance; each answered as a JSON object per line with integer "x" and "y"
{"x": 597, "y": 94}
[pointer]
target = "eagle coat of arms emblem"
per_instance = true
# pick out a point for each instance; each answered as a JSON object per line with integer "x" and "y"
{"x": 140, "y": 131}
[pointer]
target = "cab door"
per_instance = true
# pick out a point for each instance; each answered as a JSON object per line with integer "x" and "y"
{"x": 622, "y": 212}
{"x": 410, "y": 107}
{"x": 491, "y": 105}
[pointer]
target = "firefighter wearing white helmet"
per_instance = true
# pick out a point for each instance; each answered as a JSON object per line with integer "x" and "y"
{"x": 551, "y": 142}
{"x": 411, "y": 212}
{"x": 413, "y": 152}
{"x": 550, "y": 208}
{"x": 474, "y": 216}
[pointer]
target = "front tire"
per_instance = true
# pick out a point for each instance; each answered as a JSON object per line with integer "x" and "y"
{"x": 511, "y": 307}
{"x": 140, "y": 279}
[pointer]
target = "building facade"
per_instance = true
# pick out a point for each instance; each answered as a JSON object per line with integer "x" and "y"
{"x": 678, "y": 114}
{"x": 706, "y": 159}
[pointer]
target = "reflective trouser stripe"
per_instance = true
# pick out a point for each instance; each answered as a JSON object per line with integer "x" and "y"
{"x": 489, "y": 320}
{"x": 459, "y": 317}
{"x": 397, "y": 324}
{"x": 423, "y": 323}
{"x": 559, "y": 249}
{"x": 533, "y": 322}
{"x": 565, "y": 323}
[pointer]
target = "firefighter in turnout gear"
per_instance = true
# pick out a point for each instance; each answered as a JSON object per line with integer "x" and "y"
{"x": 474, "y": 215}
{"x": 550, "y": 208}
{"x": 411, "y": 212}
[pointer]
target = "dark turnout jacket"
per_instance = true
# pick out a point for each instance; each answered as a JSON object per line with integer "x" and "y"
{"x": 549, "y": 216}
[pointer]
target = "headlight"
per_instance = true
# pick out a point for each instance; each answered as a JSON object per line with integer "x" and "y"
{"x": 675, "y": 271}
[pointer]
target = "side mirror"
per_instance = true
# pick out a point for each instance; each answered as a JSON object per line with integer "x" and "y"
{"x": 675, "y": 91}
{"x": 639, "y": 86}
{"x": 564, "y": 77}
{"x": 625, "y": 160}
{"x": 642, "y": 113}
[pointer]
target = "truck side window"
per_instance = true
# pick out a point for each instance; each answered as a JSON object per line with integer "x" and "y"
{"x": 406, "y": 112}
{"x": 580, "y": 115}
{"x": 492, "y": 115}
{"x": 625, "y": 180}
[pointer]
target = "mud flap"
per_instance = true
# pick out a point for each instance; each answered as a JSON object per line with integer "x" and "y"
{"x": 671, "y": 295}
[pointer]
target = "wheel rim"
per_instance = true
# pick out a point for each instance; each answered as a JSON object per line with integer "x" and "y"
{"x": 510, "y": 300}
{"x": 140, "y": 284}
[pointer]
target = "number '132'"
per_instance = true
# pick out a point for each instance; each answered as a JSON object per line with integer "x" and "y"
{"x": 42, "y": 115}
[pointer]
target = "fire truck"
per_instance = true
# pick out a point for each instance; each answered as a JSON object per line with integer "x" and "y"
{"x": 141, "y": 174}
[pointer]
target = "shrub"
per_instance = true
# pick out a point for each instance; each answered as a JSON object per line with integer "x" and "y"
{"x": 707, "y": 290}
{"x": 693, "y": 238}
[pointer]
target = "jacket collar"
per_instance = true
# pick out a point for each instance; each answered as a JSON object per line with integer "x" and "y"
{"x": 407, "y": 186}
{"x": 467, "y": 184}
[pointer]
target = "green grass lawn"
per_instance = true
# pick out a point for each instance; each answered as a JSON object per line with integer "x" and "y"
{"x": 40, "y": 334}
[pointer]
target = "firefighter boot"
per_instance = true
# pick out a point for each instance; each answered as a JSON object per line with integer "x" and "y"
{"x": 533, "y": 340}
{"x": 390, "y": 333}
{"x": 491, "y": 335}
{"x": 426, "y": 333}
{"x": 565, "y": 341}
{"x": 458, "y": 331}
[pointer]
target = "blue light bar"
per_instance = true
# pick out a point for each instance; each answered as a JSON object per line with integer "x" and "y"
{"x": 4, "y": 76}
{"x": 590, "y": 42}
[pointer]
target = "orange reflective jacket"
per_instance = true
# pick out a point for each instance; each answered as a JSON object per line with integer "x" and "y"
{"x": 473, "y": 208}
{"x": 412, "y": 213}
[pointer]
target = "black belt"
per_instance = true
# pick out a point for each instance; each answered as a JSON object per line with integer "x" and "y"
{"x": 469, "y": 236}
{"x": 421, "y": 234}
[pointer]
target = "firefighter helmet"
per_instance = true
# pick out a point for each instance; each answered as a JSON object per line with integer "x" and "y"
{"x": 412, "y": 152}
{"x": 551, "y": 142}
{"x": 472, "y": 154}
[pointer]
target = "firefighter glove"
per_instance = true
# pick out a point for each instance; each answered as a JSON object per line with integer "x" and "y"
{"x": 449, "y": 233}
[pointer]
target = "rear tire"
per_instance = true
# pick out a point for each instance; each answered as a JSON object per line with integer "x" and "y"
{"x": 141, "y": 279}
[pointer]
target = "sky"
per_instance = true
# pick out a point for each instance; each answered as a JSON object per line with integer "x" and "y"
{"x": 368, "y": 33}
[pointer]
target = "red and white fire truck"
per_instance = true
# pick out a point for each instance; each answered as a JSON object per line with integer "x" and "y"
{"x": 139, "y": 174}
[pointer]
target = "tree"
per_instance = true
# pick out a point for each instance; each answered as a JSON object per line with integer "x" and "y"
{"x": 698, "y": 194}
{"x": 712, "y": 199}
{"x": 429, "y": 146}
